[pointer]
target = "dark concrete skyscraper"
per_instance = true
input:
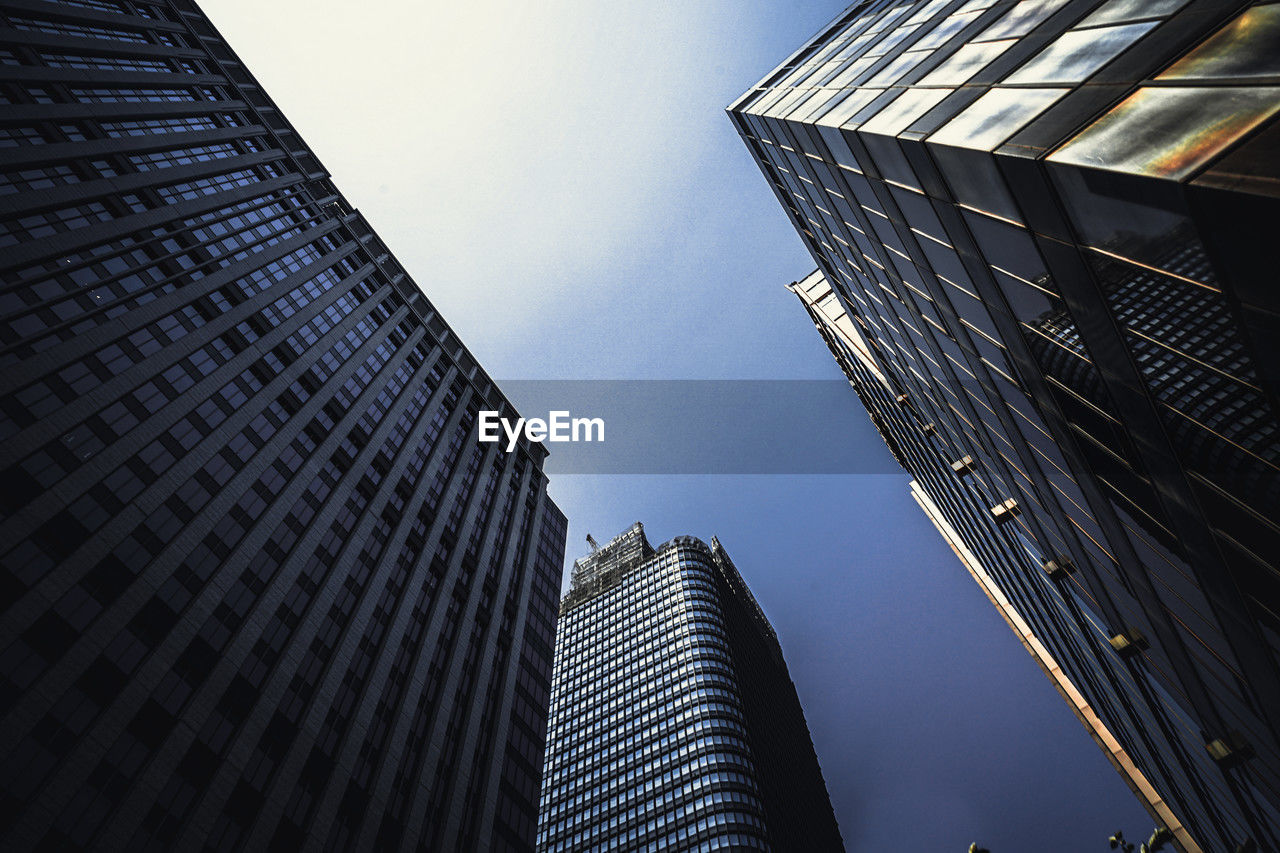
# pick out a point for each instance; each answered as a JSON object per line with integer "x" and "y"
{"x": 674, "y": 723}
{"x": 262, "y": 586}
{"x": 1046, "y": 250}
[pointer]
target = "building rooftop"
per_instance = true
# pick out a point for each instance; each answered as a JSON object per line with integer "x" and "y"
{"x": 605, "y": 566}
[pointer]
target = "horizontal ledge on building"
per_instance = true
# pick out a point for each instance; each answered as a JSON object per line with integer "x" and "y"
{"x": 1128, "y": 643}
{"x": 1006, "y": 511}
{"x": 1058, "y": 569}
{"x": 1228, "y": 751}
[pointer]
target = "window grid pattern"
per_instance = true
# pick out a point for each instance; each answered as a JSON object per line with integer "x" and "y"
{"x": 654, "y": 741}
{"x": 257, "y": 567}
{"x": 969, "y": 315}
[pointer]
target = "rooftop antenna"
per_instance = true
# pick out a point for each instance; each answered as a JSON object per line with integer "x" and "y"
{"x": 595, "y": 546}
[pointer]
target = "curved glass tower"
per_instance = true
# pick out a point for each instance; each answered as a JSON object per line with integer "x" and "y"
{"x": 674, "y": 723}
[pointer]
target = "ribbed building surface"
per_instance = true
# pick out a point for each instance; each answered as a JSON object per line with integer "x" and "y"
{"x": 262, "y": 588}
{"x": 1044, "y": 235}
{"x": 674, "y": 723}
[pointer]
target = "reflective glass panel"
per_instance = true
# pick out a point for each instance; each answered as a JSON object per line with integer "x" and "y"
{"x": 906, "y": 108}
{"x": 824, "y": 53}
{"x": 899, "y": 66}
{"x": 888, "y": 18}
{"x": 1249, "y": 46}
{"x": 1029, "y": 302}
{"x": 853, "y": 47}
{"x": 1170, "y": 132}
{"x": 889, "y": 41}
{"x": 927, "y": 11}
{"x": 799, "y": 76}
{"x": 975, "y": 181}
{"x": 995, "y": 117}
{"x": 1185, "y": 342}
{"x": 1021, "y": 19}
{"x": 851, "y": 73}
{"x": 839, "y": 150}
{"x": 1118, "y": 11}
{"x": 1153, "y": 231}
{"x": 1075, "y": 55}
{"x": 829, "y": 70}
{"x": 817, "y": 101}
{"x": 789, "y": 100}
{"x": 792, "y": 76}
{"x": 1008, "y": 248}
{"x": 844, "y": 108}
{"x": 946, "y": 30}
{"x": 767, "y": 99}
{"x": 966, "y": 62}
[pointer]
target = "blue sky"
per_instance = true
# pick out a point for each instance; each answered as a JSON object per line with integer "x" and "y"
{"x": 561, "y": 179}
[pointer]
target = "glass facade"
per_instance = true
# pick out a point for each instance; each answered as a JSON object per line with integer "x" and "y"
{"x": 261, "y": 585}
{"x": 1042, "y": 231}
{"x": 674, "y": 724}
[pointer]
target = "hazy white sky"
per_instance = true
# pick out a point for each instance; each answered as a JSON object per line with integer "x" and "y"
{"x": 559, "y": 162}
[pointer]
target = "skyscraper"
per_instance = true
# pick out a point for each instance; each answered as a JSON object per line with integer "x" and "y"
{"x": 262, "y": 586}
{"x": 674, "y": 724}
{"x": 1043, "y": 239}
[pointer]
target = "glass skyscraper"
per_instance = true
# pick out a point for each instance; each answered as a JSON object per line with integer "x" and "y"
{"x": 261, "y": 585}
{"x": 1044, "y": 233}
{"x": 674, "y": 723}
